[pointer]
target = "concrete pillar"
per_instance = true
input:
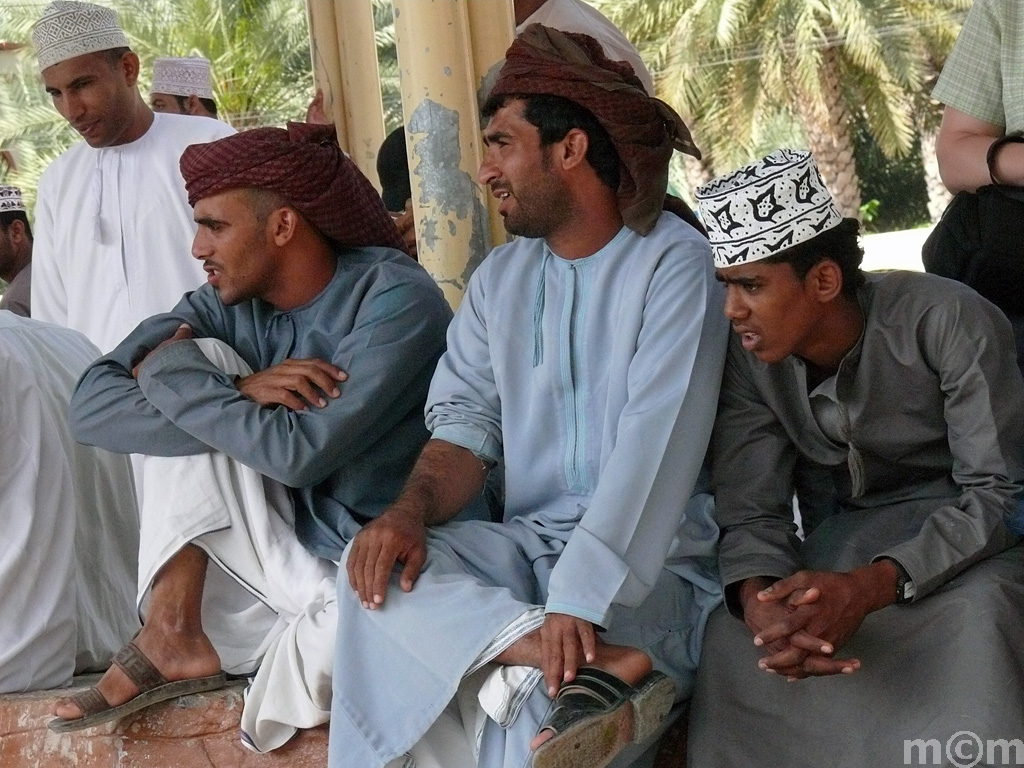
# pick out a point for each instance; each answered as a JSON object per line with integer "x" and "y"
{"x": 344, "y": 55}
{"x": 445, "y": 47}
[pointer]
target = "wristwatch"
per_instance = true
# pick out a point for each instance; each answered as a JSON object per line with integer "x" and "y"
{"x": 905, "y": 586}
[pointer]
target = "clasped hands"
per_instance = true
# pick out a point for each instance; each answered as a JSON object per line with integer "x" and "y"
{"x": 293, "y": 383}
{"x": 802, "y": 620}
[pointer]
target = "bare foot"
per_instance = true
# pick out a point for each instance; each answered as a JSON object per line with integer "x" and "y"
{"x": 175, "y": 655}
{"x": 628, "y": 664}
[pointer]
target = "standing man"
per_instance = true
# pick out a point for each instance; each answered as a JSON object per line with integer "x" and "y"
{"x": 15, "y": 252}
{"x": 113, "y": 225}
{"x": 280, "y": 407}
{"x": 182, "y": 86}
{"x": 908, "y": 602}
{"x": 587, "y": 355}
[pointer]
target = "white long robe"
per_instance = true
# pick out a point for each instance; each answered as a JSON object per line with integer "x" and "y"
{"x": 67, "y": 512}
{"x": 113, "y": 232}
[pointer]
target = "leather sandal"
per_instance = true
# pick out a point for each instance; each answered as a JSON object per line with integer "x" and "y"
{"x": 153, "y": 688}
{"x": 592, "y": 722}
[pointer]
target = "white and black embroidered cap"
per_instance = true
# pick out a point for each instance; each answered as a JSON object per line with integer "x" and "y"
{"x": 182, "y": 76}
{"x": 10, "y": 199}
{"x": 766, "y": 207}
{"x": 68, "y": 29}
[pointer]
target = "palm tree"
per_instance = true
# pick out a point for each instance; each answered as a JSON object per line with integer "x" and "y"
{"x": 258, "y": 50}
{"x": 735, "y": 65}
{"x": 387, "y": 63}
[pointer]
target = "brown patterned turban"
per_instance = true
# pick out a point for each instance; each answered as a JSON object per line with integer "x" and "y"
{"x": 303, "y": 164}
{"x": 643, "y": 129}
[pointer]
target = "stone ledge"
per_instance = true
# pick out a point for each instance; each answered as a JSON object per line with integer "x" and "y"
{"x": 198, "y": 731}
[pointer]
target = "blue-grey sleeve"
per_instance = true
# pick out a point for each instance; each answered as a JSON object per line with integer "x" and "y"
{"x": 397, "y": 337}
{"x": 110, "y": 410}
{"x": 463, "y": 406}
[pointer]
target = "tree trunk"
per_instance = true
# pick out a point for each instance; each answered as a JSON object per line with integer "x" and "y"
{"x": 938, "y": 195}
{"x": 827, "y": 127}
{"x": 697, "y": 172}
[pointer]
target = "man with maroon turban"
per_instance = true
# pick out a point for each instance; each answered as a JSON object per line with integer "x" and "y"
{"x": 587, "y": 356}
{"x": 279, "y": 407}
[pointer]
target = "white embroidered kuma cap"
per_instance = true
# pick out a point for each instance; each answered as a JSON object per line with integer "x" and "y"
{"x": 182, "y": 76}
{"x": 766, "y": 207}
{"x": 10, "y": 199}
{"x": 68, "y": 29}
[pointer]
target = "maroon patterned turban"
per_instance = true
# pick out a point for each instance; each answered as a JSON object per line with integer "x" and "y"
{"x": 643, "y": 129}
{"x": 303, "y": 164}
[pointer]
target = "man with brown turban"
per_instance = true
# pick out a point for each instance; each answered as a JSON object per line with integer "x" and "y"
{"x": 587, "y": 356}
{"x": 256, "y": 481}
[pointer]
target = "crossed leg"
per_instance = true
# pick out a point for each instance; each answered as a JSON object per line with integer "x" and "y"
{"x": 631, "y": 665}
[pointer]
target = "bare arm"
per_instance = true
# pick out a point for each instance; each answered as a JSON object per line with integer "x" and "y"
{"x": 962, "y": 146}
{"x": 445, "y": 479}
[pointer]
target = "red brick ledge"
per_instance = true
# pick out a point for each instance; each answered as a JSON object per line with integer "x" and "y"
{"x": 199, "y": 731}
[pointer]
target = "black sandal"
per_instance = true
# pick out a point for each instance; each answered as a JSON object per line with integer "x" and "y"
{"x": 592, "y": 723}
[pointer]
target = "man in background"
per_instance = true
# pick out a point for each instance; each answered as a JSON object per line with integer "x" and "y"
{"x": 182, "y": 86}
{"x": 113, "y": 226}
{"x": 15, "y": 251}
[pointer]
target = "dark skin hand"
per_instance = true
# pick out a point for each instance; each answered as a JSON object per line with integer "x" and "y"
{"x": 814, "y": 612}
{"x": 184, "y": 332}
{"x": 398, "y": 535}
{"x": 795, "y": 656}
{"x": 295, "y": 384}
{"x": 567, "y": 643}
{"x": 446, "y": 477}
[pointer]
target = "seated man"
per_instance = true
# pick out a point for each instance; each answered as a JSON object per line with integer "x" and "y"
{"x": 15, "y": 252}
{"x": 908, "y": 600}
{"x": 70, "y": 526}
{"x": 273, "y": 471}
{"x": 588, "y": 355}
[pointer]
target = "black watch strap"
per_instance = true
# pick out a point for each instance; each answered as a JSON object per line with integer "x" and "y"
{"x": 905, "y": 587}
{"x": 1017, "y": 137}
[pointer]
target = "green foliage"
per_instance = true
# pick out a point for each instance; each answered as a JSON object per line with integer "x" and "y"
{"x": 29, "y": 127}
{"x": 260, "y": 61}
{"x": 869, "y": 210}
{"x": 897, "y": 187}
{"x": 259, "y": 53}
{"x": 258, "y": 49}
{"x": 732, "y": 66}
{"x": 387, "y": 63}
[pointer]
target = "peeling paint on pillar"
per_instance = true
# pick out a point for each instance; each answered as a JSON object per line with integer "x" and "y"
{"x": 447, "y": 194}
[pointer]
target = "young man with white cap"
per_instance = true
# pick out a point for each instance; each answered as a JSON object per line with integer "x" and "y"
{"x": 15, "y": 251}
{"x": 181, "y": 86}
{"x": 113, "y": 224}
{"x": 907, "y": 601}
